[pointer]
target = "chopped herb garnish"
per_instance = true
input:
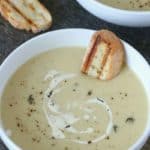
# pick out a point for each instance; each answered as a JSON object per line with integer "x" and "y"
{"x": 130, "y": 120}
{"x": 32, "y": 110}
{"x": 17, "y": 118}
{"x": 89, "y": 142}
{"x": 31, "y": 99}
{"x": 18, "y": 124}
{"x": 100, "y": 100}
{"x": 10, "y": 105}
{"x": 107, "y": 138}
{"x": 41, "y": 92}
{"x": 66, "y": 148}
{"x": 74, "y": 90}
{"x": 115, "y": 127}
{"x": 112, "y": 98}
{"x": 62, "y": 131}
{"x": 38, "y": 141}
{"x": 65, "y": 81}
{"x": 50, "y": 94}
{"x": 36, "y": 121}
{"x": 28, "y": 114}
{"x": 76, "y": 83}
{"x": 53, "y": 137}
{"x": 68, "y": 126}
{"x": 89, "y": 93}
{"x": 97, "y": 131}
{"x": 33, "y": 139}
{"x": 53, "y": 144}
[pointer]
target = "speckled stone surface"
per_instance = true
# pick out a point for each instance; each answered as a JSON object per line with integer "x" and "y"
{"x": 69, "y": 14}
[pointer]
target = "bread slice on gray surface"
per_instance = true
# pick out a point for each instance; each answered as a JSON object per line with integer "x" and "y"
{"x": 26, "y": 14}
{"x": 104, "y": 56}
{"x": 12, "y": 16}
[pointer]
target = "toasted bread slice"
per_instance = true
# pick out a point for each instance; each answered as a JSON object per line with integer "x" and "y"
{"x": 104, "y": 57}
{"x": 12, "y": 16}
{"x": 26, "y": 14}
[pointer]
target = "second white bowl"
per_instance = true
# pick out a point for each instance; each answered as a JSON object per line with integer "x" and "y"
{"x": 115, "y": 15}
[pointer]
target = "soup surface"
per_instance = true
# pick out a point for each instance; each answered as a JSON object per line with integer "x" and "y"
{"x": 49, "y": 104}
{"x": 128, "y": 4}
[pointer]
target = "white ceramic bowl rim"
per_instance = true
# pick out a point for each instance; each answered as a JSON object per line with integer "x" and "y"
{"x": 119, "y": 10}
{"x": 71, "y": 36}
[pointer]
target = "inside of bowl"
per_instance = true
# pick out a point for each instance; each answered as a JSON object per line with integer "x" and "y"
{"x": 50, "y": 41}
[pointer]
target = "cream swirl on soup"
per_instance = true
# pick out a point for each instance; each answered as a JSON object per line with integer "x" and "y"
{"x": 62, "y": 121}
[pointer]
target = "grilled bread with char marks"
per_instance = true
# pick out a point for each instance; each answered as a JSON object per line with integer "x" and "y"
{"x": 29, "y": 15}
{"x": 104, "y": 56}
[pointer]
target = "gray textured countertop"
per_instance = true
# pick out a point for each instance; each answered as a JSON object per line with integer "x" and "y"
{"x": 68, "y": 14}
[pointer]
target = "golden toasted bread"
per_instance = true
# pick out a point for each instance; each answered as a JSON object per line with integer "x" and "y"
{"x": 26, "y": 14}
{"x": 11, "y": 15}
{"x": 104, "y": 56}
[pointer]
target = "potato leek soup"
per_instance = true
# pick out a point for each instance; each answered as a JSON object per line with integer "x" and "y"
{"x": 128, "y": 4}
{"x": 49, "y": 104}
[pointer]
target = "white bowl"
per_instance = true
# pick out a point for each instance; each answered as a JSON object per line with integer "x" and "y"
{"x": 115, "y": 15}
{"x": 67, "y": 38}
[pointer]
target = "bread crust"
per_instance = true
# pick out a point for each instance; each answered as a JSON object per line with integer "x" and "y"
{"x": 113, "y": 57}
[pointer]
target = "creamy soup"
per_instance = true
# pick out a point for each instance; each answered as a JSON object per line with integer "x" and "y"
{"x": 49, "y": 104}
{"x": 128, "y": 4}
